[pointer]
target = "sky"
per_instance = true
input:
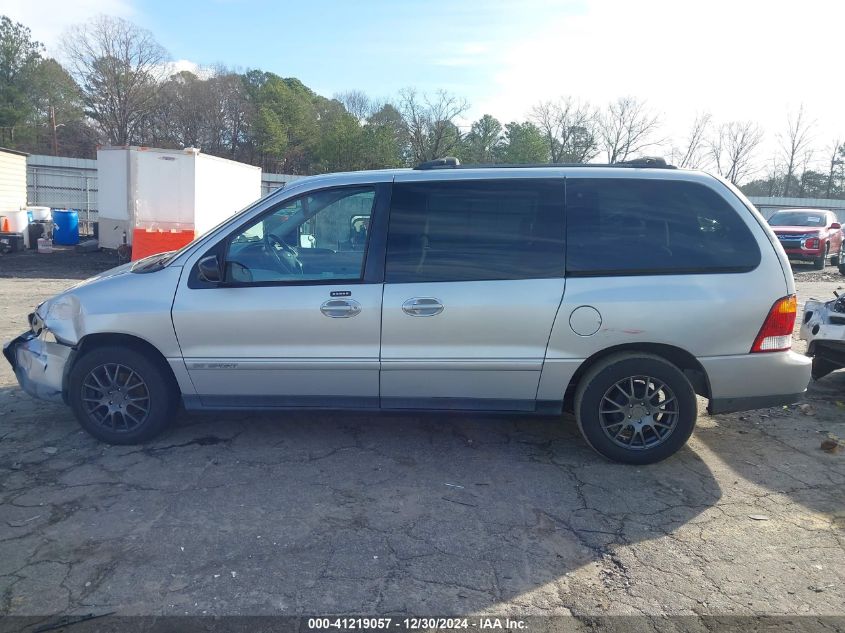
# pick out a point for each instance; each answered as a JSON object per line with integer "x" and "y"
{"x": 737, "y": 59}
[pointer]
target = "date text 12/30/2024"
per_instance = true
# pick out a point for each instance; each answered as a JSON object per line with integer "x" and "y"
{"x": 414, "y": 624}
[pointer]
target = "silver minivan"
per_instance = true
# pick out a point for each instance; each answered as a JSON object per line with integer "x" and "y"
{"x": 617, "y": 293}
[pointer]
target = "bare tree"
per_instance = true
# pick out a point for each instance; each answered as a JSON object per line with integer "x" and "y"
{"x": 805, "y": 161}
{"x": 836, "y": 151}
{"x": 627, "y": 127}
{"x": 773, "y": 177}
{"x": 357, "y": 103}
{"x": 733, "y": 149}
{"x": 208, "y": 112}
{"x": 226, "y": 112}
{"x": 431, "y": 122}
{"x": 182, "y": 113}
{"x": 570, "y": 129}
{"x": 692, "y": 155}
{"x": 794, "y": 143}
{"x": 119, "y": 67}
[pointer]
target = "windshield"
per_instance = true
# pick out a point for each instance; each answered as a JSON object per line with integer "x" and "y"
{"x": 797, "y": 218}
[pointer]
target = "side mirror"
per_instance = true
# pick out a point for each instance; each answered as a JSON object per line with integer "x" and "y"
{"x": 835, "y": 225}
{"x": 209, "y": 269}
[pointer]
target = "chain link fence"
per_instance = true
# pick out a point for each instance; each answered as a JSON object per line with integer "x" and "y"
{"x": 64, "y": 183}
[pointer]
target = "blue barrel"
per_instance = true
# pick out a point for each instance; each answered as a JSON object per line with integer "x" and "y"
{"x": 66, "y": 226}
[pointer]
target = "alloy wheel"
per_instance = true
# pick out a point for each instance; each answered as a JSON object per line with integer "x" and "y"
{"x": 116, "y": 397}
{"x": 638, "y": 412}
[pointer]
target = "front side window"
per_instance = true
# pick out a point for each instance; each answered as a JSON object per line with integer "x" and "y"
{"x": 633, "y": 226}
{"x": 319, "y": 236}
{"x": 475, "y": 230}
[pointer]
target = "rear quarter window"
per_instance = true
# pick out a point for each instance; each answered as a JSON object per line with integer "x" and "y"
{"x": 628, "y": 226}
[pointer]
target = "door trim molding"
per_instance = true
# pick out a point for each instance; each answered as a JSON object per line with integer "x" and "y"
{"x": 462, "y": 364}
{"x": 237, "y": 364}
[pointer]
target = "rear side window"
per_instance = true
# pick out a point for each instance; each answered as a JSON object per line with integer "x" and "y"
{"x": 475, "y": 230}
{"x": 626, "y": 226}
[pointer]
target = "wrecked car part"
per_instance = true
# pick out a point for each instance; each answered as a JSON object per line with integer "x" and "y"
{"x": 823, "y": 327}
{"x": 39, "y": 364}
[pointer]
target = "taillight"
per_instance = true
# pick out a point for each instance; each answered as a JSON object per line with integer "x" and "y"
{"x": 776, "y": 333}
{"x": 811, "y": 243}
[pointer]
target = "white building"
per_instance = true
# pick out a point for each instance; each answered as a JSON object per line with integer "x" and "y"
{"x": 12, "y": 181}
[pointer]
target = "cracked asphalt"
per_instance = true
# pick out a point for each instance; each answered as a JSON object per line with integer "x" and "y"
{"x": 440, "y": 514}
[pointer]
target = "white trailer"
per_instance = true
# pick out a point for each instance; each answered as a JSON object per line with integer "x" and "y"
{"x": 168, "y": 192}
{"x": 12, "y": 181}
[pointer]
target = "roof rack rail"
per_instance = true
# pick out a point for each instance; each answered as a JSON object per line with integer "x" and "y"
{"x": 450, "y": 162}
{"x": 647, "y": 161}
{"x": 447, "y": 162}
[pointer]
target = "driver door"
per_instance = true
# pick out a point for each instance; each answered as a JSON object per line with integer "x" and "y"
{"x": 296, "y": 320}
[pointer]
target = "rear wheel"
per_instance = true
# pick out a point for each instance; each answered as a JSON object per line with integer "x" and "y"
{"x": 121, "y": 396}
{"x": 635, "y": 408}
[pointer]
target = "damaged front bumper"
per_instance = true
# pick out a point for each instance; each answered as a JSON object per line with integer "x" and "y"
{"x": 823, "y": 327}
{"x": 39, "y": 365}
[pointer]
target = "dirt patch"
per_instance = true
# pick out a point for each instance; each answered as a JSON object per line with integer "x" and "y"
{"x": 63, "y": 263}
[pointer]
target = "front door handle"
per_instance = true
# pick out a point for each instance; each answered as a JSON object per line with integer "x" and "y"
{"x": 422, "y": 306}
{"x": 340, "y": 308}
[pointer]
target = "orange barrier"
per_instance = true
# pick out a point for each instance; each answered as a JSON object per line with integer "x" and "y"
{"x": 146, "y": 242}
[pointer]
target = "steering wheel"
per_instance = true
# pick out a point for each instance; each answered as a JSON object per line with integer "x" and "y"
{"x": 285, "y": 255}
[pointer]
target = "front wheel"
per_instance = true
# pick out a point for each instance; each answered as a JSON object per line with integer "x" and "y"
{"x": 819, "y": 262}
{"x": 635, "y": 408}
{"x": 120, "y": 396}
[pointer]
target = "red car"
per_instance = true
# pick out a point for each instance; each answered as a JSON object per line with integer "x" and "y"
{"x": 809, "y": 235}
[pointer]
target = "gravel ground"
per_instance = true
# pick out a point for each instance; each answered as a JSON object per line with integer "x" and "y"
{"x": 412, "y": 514}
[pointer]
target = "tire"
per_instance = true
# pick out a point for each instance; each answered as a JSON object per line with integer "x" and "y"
{"x": 145, "y": 397}
{"x": 841, "y": 269}
{"x": 834, "y": 259}
{"x": 652, "y": 443}
{"x": 819, "y": 262}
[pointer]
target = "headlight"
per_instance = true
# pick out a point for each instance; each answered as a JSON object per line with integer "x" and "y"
{"x": 36, "y": 323}
{"x": 59, "y": 317}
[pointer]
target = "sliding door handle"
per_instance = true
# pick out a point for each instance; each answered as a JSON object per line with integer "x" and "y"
{"x": 422, "y": 306}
